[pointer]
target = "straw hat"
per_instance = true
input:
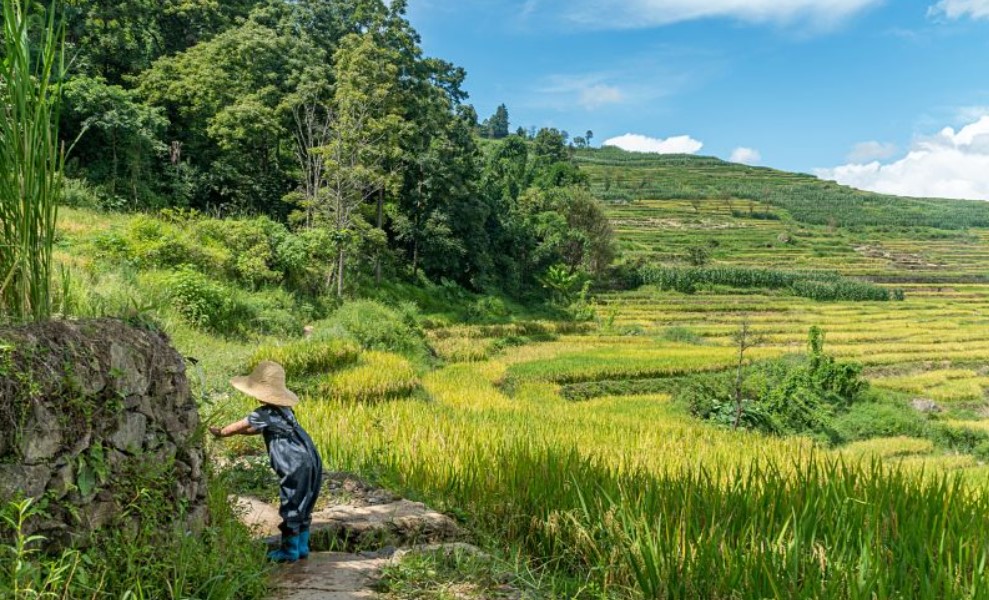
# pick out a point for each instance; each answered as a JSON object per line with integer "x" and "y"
{"x": 267, "y": 384}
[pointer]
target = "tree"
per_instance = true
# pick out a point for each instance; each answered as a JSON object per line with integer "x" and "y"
{"x": 745, "y": 339}
{"x": 366, "y": 128}
{"x": 230, "y": 101}
{"x": 497, "y": 125}
{"x": 589, "y": 136}
{"x": 120, "y": 136}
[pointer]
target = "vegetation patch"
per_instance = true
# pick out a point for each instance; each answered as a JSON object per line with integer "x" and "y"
{"x": 379, "y": 376}
{"x": 308, "y": 357}
{"x": 816, "y": 286}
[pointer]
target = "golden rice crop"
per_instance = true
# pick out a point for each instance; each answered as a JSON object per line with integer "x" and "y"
{"x": 308, "y": 357}
{"x": 378, "y": 376}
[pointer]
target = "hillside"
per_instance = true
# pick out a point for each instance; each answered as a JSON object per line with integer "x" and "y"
{"x": 663, "y": 206}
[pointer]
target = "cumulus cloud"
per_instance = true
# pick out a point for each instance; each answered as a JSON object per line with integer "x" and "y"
{"x": 630, "y": 14}
{"x": 867, "y": 151}
{"x": 950, "y": 164}
{"x": 633, "y": 142}
{"x": 956, "y": 9}
{"x": 746, "y": 156}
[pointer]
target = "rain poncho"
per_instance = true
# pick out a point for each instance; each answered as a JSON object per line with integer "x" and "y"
{"x": 296, "y": 461}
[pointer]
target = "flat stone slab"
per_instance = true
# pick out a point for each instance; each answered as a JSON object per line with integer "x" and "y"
{"x": 328, "y": 576}
{"x": 349, "y": 527}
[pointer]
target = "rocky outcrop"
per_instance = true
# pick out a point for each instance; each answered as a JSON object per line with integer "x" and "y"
{"x": 96, "y": 418}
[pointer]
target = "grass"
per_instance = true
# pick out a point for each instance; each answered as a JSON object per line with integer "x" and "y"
{"x": 31, "y": 160}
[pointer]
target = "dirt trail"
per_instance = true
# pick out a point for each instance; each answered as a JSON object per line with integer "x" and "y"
{"x": 356, "y": 531}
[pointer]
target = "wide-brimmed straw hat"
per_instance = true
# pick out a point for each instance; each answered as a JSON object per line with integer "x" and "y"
{"x": 267, "y": 384}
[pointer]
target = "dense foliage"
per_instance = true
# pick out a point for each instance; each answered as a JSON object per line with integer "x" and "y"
{"x": 327, "y": 117}
{"x": 786, "y": 396}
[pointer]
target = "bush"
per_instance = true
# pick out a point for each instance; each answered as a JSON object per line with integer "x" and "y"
{"x": 379, "y": 376}
{"x": 870, "y": 420}
{"x": 147, "y": 242}
{"x": 200, "y": 301}
{"x": 310, "y": 357}
{"x": 376, "y": 326}
{"x": 79, "y": 193}
{"x": 786, "y": 396}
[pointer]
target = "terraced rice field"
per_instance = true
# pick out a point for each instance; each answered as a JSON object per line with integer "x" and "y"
{"x": 665, "y": 230}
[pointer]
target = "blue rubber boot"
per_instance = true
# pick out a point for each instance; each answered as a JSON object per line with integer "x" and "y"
{"x": 304, "y": 544}
{"x": 289, "y": 552}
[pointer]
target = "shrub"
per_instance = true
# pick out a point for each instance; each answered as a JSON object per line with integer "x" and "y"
{"x": 250, "y": 245}
{"x": 199, "y": 300}
{"x": 310, "y": 357}
{"x": 379, "y": 376}
{"x": 870, "y": 420}
{"x": 790, "y": 395}
{"x": 376, "y": 326}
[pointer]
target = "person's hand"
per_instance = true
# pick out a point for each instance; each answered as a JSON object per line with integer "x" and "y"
{"x": 216, "y": 431}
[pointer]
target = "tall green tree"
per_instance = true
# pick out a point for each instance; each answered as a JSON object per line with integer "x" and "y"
{"x": 363, "y": 139}
{"x": 496, "y": 126}
{"x": 120, "y": 137}
{"x": 230, "y": 103}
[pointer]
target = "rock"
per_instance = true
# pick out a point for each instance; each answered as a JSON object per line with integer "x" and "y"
{"x": 105, "y": 403}
{"x": 23, "y": 480}
{"x": 448, "y": 550}
{"x": 44, "y": 439}
{"x": 62, "y": 482}
{"x": 98, "y": 515}
{"x": 125, "y": 366}
{"x": 130, "y": 435}
{"x": 925, "y": 406}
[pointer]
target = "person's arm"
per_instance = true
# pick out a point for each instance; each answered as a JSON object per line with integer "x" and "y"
{"x": 241, "y": 427}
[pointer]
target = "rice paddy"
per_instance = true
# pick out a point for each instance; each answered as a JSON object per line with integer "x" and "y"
{"x": 561, "y": 440}
{"x": 634, "y": 498}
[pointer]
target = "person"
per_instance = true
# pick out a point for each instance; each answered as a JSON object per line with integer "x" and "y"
{"x": 292, "y": 452}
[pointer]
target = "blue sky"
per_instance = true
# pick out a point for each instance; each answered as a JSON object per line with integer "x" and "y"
{"x": 850, "y": 89}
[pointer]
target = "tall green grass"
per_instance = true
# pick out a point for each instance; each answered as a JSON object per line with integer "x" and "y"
{"x": 30, "y": 160}
{"x": 807, "y": 284}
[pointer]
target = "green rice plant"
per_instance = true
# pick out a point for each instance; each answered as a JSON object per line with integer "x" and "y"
{"x": 308, "y": 357}
{"x": 379, "y": 376}
{"x": 31, "y": 160}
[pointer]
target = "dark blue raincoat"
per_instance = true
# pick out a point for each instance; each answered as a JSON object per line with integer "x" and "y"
{"x": 296, "y": 461}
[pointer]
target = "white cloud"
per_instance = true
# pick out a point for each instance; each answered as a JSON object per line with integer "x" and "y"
{"x": 950, "y": 164}
{"x": 630, "y": 14}
{"x": 956, "y": 9}
{"x": 633, "y": 142}
{"x": 590, "y": 91}
{"x": 867, "y": 151}
{"x": 596, "y": 96}
{"x": 746, "y": 156}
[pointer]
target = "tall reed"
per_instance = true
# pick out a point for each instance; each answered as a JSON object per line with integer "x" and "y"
{"x": 30, "y": 159}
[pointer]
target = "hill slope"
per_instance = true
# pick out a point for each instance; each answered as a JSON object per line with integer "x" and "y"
{"x": 677, "y": 208}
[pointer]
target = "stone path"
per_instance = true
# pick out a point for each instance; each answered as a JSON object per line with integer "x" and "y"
{"x": 355, "y": 533}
